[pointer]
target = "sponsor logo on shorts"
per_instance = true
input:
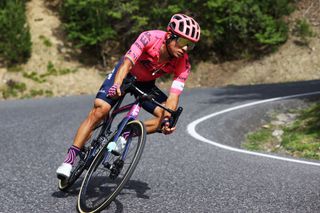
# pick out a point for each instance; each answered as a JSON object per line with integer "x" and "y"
{"x": 102, "y": 91}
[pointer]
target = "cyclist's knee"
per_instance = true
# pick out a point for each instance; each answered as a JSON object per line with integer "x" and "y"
{"x": 100, "y": 110}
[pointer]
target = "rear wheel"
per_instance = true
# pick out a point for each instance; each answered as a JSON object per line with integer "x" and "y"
{"x": 106, "y": 178}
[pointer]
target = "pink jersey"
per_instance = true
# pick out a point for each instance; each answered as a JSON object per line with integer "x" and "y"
{"x": 144, "y": 54}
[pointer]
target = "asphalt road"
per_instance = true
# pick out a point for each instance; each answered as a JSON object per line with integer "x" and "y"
{"x": 177, "y": 173}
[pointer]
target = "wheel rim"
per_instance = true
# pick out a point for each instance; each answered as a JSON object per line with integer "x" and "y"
{"x": 98, "y": 189}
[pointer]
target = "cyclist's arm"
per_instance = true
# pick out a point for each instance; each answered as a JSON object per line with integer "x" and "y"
{"x": 171, "y": 103}
{"x": 181, "y": 75}
{"x": 131, "y": 57}
{"x": 123, "y": 71}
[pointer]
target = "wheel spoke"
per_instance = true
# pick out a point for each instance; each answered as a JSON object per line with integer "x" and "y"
{"x": 102, "y": 183}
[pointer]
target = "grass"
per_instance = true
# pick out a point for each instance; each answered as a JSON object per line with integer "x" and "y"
{"x": 19, "y": 89}
{"x": 256, "y": 141}
{"x": 45, "y": 41}
{"x": 13, "y": 89}
{"x": 52, "y": 70}
{"x": 300, "y": 139}
{"x": 304, "y": 31}
{"x": 34, "y": 76}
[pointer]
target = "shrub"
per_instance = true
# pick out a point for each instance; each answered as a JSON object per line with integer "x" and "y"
{"x": 228, "y": 27}
{"x": 91, "y": 22}
{"x": 15, "y": 39}
{"x": 303, "y": 30}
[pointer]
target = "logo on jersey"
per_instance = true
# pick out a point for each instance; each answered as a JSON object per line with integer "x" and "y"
{"x": 138, "y": 45}
{"x": 145, "y": 38}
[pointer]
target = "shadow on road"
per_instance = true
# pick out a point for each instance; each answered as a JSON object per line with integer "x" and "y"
{"x": 73, "y": 191}
{"x": 139, "y": 187}
{"x": 235, "y": 94}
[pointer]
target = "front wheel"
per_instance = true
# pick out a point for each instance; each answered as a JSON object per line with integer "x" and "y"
{"x": 101, "y": 183}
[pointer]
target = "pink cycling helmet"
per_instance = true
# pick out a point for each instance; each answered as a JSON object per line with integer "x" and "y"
{"x": 184, "y": 26}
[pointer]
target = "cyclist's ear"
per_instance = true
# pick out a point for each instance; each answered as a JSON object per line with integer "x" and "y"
{"x": 168, "y": 35}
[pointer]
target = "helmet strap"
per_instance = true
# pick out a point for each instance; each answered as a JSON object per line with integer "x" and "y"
{"x": 167, "y": 43}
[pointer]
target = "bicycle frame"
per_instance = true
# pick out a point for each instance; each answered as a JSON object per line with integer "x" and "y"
{"x": 134, "y": 110}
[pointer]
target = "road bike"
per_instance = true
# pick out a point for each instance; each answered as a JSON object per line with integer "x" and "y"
{"x": 112, "y": 156}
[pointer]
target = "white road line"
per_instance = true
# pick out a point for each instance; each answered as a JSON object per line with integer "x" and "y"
{"x": 192, "y": 129}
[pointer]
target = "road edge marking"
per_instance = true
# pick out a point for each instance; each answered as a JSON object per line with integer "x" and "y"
{"x": 192, "y": 126}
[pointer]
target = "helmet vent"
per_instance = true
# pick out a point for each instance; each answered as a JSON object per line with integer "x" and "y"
{"x": 188, "y": 31}
{"x": 193, "y": 32}
{"x": 178, "y": 17}
{"x": 188, "y": 22}
{"x": 181, "y": 26}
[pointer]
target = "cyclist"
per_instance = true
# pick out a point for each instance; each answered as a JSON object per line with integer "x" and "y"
{"x": 153, "y": 54}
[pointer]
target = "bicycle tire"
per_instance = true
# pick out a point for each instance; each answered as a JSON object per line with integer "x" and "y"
{"x": 81, "y": 162}
{"x": 88, "y": 192}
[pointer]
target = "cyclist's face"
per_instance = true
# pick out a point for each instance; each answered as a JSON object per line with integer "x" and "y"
{"x": 178, "y": 46}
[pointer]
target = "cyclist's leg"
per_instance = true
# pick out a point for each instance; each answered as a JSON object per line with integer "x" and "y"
{"x": 153, "y": 124}
{"x": 101, "y": 108}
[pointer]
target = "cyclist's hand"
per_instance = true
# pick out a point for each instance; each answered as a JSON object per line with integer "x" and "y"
{"x": 114, "y": 91}
{"x": 166, "y": 127}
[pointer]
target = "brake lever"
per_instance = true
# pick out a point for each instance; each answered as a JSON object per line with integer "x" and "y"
{"x": 127, "y": 83}
{"x": 174, "y": 117}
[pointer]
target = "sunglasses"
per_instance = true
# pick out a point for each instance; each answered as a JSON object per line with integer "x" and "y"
{"x": 182, "y": 42}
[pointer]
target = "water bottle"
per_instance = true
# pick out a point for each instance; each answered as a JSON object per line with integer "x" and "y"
{"x": 111, "y": 146}
{"x": 121, "y": 143}
{"x": 117, "y": 146}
